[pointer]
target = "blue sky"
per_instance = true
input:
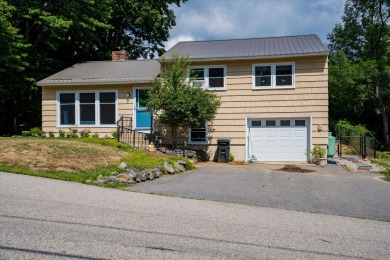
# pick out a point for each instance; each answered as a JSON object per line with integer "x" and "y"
{"x": 232, "y": 19}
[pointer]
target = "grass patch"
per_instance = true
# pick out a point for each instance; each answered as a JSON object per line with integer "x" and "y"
{"x": 88, "y": 176}
{"x": 78, "y": 160}
{"x": 383, "y": 159}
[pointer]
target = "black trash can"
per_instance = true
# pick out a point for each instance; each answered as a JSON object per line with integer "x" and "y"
{"x": 223, "y": 150}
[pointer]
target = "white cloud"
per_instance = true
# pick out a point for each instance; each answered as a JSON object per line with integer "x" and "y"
{"x": 181, "y": 38}
{"x": 229, "y": 19}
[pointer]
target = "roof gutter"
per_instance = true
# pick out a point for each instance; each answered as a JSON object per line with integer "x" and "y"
{"x": 88, "y": 83}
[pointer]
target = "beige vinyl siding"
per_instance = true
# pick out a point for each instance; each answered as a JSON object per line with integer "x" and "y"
{"x": 308, "y": 99}
{"x": 49, "y": 106}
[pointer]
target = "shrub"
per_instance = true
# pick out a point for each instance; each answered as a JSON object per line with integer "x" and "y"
{"x": 85, "y": 133}
{"x": 115, "y": 134}
{"x": 35, "y": 132}
{"x": 61, "y": 134}
{"x": 26, "y": 133}
{"x": 231, "y": 157}
{"x": 72, "y": 133}
{"x": 51, "y": 134}
{"x": 317, "y": 152}
{"x": 95, "y": 135}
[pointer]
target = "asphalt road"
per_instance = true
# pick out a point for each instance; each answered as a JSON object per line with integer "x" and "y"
{"x": 328, "y": 190}
{"x": 50, "y": 219}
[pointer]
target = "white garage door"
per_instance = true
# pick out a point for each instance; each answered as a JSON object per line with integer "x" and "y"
{"x": 278, "y": 140}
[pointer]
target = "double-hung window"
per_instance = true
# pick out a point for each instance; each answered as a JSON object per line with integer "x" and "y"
{"x": 90, "y": 108}
{"x": 211, "y": 77}
{"x": 197, "y": 135}
{"x": 278, "y": 75}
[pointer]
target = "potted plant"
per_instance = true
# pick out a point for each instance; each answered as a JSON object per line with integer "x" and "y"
{"x": 318, "y": 154}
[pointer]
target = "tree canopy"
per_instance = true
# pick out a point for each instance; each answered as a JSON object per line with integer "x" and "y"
{"x": 38, "y": 38}
{"x": 359, "y": 68}
{"x": 179, "y": 103}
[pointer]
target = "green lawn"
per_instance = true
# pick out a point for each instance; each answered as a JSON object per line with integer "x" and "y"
{"x": 79, "y": 160}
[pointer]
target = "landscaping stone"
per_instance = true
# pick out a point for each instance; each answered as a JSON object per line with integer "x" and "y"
{"x": 132, "y": 175}
{"x": 182, "y": 162}
{"x": 122, "y": 165}
{"x": 113, "y": 179}
{"x": 123, "y": 177}
{"x": 143, "y": 176}
{"x": 179, "y": 167}
{"x": 156, "y": 172}
{"x": 168, "y": 167}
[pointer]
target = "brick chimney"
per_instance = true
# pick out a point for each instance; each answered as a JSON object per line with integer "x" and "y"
{"x": 120, "y": 55}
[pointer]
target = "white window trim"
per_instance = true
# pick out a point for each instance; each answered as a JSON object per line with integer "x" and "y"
{"x": 273, "y": 75}
{"x": 204, "y": 142}
{"x": 206, "y": 76}
{"x": 77, "y": 109}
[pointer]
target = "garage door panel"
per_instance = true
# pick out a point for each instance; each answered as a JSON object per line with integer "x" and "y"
{"x": 285, "y": 133}
{"x": 270, "y": 133}
{"x": 279, "y": 143}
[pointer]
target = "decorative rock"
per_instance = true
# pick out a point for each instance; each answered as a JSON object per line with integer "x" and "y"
{"x": 99, "y": 182}
{"x": 179, "y": 167}
{"x": 132, "y": 176}
{"x": 113, "y": 179}
{"x": 182, "y": 162}
{"x": 168, "y": 167}
{"x": 148, "y": 173}
{"x": 156, "y": 172}
{"x": 100, "y": 177}
{"x": 138, "y": 180}
{"x": 130, "y": 181}
{"x": 122, "y": 165}
{"x": 143, "y": 176}
{"x": 123, "y": 177}
{"x": 115, "y": 173}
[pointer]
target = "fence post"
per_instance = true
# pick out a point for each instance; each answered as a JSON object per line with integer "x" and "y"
{"x": 364, "y": 147}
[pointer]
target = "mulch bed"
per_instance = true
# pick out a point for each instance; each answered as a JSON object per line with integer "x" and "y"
{"x": 294, "y": 168}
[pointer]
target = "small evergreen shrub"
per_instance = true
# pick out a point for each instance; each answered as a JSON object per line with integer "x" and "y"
{"x": 61, "y": 134}
{"x": 51, "y": 134}
{"x": 95, "y": 135}
{"x": 115, "y": 134}
{"x": 72, "y": 133}
{"x": 26, "y": 133}
{"x": 35, "y": 132}
{"x": 85, "y": 133}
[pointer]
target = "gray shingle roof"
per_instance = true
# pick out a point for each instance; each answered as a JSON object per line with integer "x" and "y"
{"x": 105, "y": 72}
{"x": 250, "y": 48}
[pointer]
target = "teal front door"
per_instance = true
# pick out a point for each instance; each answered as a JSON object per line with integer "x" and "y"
{"x": 142, "y": 116}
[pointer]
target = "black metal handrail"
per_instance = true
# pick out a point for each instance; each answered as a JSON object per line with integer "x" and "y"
{"x": 138, "y": 139}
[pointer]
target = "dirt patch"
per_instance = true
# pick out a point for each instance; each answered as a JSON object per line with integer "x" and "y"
{"x": 56, "y": 155}
{"x": 238, "y": 163}
{"x": 294, "y": 168}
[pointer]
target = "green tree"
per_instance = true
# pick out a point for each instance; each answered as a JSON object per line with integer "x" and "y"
{"x": 364, "y": 38}
{"x": 52, "y": 35}
{"x": 179, "y": 103}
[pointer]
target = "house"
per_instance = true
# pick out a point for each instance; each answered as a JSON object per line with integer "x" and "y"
{"x": 274, "y": 94}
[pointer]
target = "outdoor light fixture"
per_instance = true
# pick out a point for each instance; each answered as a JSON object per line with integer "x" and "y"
{"x": 319, "y": 128}
{"x": 128, "y": 95}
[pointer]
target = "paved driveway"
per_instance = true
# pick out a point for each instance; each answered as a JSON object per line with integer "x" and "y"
{"x": 329, "y": 190}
